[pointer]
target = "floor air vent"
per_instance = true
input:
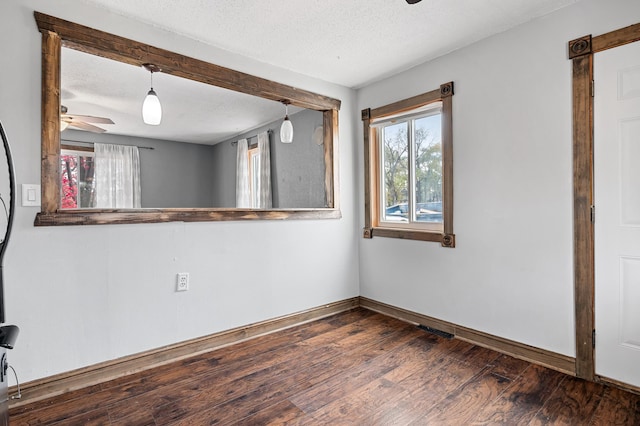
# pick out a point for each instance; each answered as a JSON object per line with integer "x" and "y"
{"x": 435, "y": 331}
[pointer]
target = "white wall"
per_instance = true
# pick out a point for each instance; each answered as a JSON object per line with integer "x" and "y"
{"x": 511, "y": 272}
{"x": 83, "y": 295}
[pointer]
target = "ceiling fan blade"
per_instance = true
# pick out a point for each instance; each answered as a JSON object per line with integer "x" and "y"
{"x": 85, "y": 126}
{"x": 87, "y": 119}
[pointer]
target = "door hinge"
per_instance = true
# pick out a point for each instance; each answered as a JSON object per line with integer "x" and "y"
{"x": 593, "y": 339}
{"x": 593, "y": 214}
{"x": 593, "y": 88}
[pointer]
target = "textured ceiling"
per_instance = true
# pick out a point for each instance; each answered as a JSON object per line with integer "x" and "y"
{"x": 192, "y": 111}
{"x": 347, "y": 42}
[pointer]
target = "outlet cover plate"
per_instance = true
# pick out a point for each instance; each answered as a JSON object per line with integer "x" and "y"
{"x": 182, "y": 283}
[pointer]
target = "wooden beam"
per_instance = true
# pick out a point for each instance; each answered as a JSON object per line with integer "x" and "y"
{"x": 100, "y": 43}
{"x": 50, "y": 165}
{"x": 106, "y": 216}
{"x": 616, "y": 38}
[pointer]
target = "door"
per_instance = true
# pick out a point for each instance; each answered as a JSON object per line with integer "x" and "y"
{"x": 617, "y": 213}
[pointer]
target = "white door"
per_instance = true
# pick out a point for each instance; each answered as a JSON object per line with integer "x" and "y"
{"x": 617, "y": 213}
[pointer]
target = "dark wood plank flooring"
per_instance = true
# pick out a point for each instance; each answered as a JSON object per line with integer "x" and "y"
{"x": 354, "y": 368}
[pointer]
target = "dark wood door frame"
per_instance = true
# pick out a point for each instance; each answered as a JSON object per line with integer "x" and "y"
{"x": 581, "y": 52}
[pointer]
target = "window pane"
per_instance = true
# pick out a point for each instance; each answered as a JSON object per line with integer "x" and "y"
{"x": 69, "y": 181}
{"x": 77, "y": 185}
{"x": 87, "y": 183}
{"x": 428, "y": 169}
{"x": 395, "y": 162}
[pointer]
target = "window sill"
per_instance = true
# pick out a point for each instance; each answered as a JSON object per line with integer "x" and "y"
{"x": 446, "y": 240}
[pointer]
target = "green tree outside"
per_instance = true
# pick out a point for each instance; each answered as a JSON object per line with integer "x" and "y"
{"x": 428, "y": 163}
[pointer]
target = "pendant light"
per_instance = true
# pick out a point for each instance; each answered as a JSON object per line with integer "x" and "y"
{"x": 286, "y": 130}
{"x": 151, "y": 108}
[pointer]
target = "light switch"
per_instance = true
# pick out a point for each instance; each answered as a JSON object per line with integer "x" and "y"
{"x": 30, "y": 195}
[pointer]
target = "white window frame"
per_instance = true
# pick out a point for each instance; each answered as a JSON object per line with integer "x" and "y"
{"x": 429, "y": 110}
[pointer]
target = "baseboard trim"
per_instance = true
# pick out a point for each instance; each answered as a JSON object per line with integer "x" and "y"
{"x": 555, "y": 361}
{"x": 47, "y": 387}
{"x": 617, "y": 384}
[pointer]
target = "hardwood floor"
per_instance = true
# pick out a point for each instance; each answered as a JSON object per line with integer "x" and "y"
{"x": 353, "y": 368}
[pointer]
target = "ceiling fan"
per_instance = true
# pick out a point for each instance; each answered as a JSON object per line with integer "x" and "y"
{"x": 81, "y": 121}
{"x": 413, "y": 1}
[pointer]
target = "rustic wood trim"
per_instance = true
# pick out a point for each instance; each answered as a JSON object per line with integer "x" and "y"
{"x": 58, "y": 384}
{"x": 405, "y": 104}
{"x": 371, "y": 170}
{"x": 100, "y": 43}
{"x": 331, "y": 156}
{"x": 580, "y": 46}
{"x": 50, "y": 132}
{"x": 448, "y": 240}
{"x": 368, "y": 161}
{"x": 447, "y": 164}
{"x": 616, "y": 38}
{"x": 57, "y": 33}
{"x": 407, "y": 234}
{"x": 103, "y": 217}
{"x": 584, "y": 280}
{"x": 584, "y": 261}
{"x": 446, "y": 90}
{"x": 555, "y": 361}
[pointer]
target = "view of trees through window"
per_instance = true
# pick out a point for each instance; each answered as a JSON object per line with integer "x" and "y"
{"x": 77, "y": 188}
{"x": 412, "y": 168}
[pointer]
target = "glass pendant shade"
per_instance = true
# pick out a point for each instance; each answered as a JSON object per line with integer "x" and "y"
{"x": 151, "y": 109}
{"x": 286, "y": 130}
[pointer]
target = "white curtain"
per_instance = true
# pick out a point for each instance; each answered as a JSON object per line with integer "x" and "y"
{"x": 117, "y": 176}
{"x": 243, "y": 193}
{"x": 264, "y": 182}
{"x": 253, "y": 174}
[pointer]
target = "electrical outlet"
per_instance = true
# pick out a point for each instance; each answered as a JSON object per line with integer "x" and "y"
{"x": 183, "y": 281}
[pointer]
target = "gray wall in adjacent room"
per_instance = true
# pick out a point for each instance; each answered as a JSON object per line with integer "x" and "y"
{"x": 173, "y": 174}
{"x": 297, "y": 169}
{"x": 223, "y": 183}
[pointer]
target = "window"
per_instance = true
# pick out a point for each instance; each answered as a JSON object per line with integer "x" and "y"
{"x": 409, "y": 168}
{"x": 77, "y": 184}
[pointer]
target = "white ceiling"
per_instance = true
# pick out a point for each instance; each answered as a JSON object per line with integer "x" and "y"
{"x": 347, "y": 42}
{"x": 192, "y": 111}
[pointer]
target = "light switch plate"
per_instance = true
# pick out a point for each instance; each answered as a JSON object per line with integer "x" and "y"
{"x": 30, "y": 195}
